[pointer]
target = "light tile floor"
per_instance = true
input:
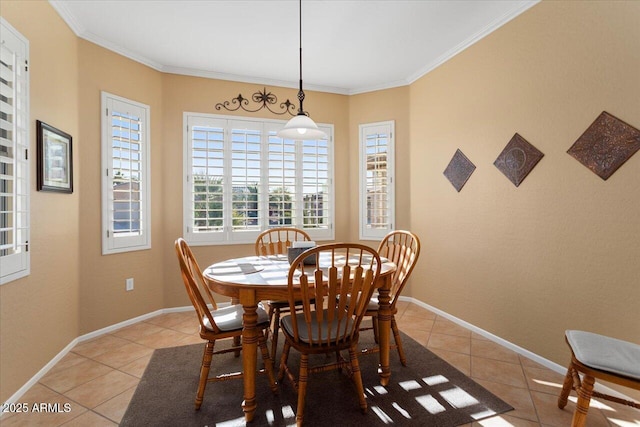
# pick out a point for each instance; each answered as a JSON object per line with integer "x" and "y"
{"x": 96, "y": 380}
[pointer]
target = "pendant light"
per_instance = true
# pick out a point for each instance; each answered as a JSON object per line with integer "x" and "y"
{"x": 301, "y": 126}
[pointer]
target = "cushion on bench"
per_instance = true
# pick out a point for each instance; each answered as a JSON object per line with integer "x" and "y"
{"x": 605, "y": 353}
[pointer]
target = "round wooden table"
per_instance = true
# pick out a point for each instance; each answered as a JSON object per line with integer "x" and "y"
{"x": 252, "y": 279}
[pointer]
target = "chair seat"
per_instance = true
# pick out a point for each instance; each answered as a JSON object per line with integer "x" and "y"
{"x": 325, "y": 329}
{"x": 373, "y": 304}
{"x": 230, "y": 318}
{"x": 605, "y": 353}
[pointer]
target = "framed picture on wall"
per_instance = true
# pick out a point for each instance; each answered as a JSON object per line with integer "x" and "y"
{"x": 54, "y": 159}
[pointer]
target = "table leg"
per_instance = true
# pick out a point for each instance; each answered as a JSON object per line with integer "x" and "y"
{"x": 249, "y": 352}
{"x": 384, "y": 331}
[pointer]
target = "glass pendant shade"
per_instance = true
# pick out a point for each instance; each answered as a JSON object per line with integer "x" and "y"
{"x": 301, "y": 127}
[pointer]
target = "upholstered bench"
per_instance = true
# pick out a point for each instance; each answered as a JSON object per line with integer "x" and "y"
{"x": 597, "y": 356}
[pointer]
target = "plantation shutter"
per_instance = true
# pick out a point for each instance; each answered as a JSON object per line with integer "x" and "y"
{"x": 316, "y": 184}
{"x": 204, "y": 165}
{"x": 14, "y": 165}
{"x": 376, "y": 180}
{"x": 241, "y": 179}
{"x": 246, "y": 149}
{"x": 126, "y": 175}
{"x": 283, "y": 207}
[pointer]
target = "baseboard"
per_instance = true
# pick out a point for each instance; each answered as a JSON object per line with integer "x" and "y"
{"x": 42, "y": 372}
{"x": 522, "y": 351}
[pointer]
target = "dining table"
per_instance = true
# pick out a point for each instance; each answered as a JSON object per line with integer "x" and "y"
{"x": 252, "y": 279}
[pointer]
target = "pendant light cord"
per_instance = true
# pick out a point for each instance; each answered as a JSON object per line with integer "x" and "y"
{"x": 300, "y": 92}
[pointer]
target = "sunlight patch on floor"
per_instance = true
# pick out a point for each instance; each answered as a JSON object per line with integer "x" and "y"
{"x": 430, "y": 403}
{"x": 435, "y": 380}
{"x": 270, "y": 417}
{"x": 400, "y": 409}
{"x": 594, "y": 404}
{"x": 483, "y": 414}
{"x": 495, "y": 422}
{"x": 287, "y": 412}
{"x": 458, "y": 398}
{"x": 377, "y": 389}
{"x": 382, "y": 415}
{"x": 410, "y": 385}
{"x": 624, "y": 423}
{"x": 232, "y": 423}
{"x": 547, "y": 383}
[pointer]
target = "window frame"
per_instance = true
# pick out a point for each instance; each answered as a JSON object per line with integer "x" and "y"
{"x": 268, "y": 127}
{"x": 384, "y": 127}
{"x": 111, "y": 242}
{"x": 18, "y": 265}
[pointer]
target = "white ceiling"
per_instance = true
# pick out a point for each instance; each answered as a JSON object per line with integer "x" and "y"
{"x": 349, "y": 46}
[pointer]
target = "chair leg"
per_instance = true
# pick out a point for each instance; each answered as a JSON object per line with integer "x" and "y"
{"x": 283, "y": 360}
{"x": 268, "y": 363}
{"x": 357, "y": 377}
{"x": 274, "y": 334}
{"x": 584, "y": 398}
{"x": 237, "y": 342}
{"x": 566, "y": 388}
{"x": 374, "y": 324}
{"x": 302, "y": 387}
{"x": 398, "y": 340}
{"x": 204, "y": 372}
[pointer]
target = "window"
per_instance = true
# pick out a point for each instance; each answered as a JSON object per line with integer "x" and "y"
{"x": 126, "y": 216}
{"x": 241, "y": 179}
{"x": 14, "y": 145}
{"x": 377, "y": 204}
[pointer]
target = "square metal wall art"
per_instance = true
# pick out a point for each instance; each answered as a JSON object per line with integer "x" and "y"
{"x": 606, "y": 145}
{"x": 517, "y": 159}
{"x": 459, "y": 170}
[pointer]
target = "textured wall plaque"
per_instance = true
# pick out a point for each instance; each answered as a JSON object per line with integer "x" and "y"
{"x": 459, "y": 170}
{"x": 606, "y": 145}
{"x": 518, "y": 159}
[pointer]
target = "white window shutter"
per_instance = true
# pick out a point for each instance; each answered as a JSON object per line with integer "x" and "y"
{"x": 377, "y": 188}
{"x": 14, "y": 161}
{"x": 126, "y": 216}
{"x": 240, "y": 179}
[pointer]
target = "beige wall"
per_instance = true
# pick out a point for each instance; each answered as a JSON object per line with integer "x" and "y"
{"x": 103, "y": 299}
{"x": 524, "y": 263}
{"x": 39, "y": 313}
{"x": 561, "y": 251}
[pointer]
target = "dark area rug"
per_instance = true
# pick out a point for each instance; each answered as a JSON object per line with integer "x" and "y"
{"x": 428, "y": 391}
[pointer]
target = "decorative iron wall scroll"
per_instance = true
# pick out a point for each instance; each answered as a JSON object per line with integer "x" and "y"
{"x": 517, "y": 159}
{"x": 459, "y": 170}
{"x": 263, "y": 98}
{"x": 606, "y": 145}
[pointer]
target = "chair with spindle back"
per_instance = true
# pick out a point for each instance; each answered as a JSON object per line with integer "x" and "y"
{"x": 217, "y": 323}
{"x": 334, "y": 295}
{"x": 403, "y": 249}
{"x": 276, "y": 241}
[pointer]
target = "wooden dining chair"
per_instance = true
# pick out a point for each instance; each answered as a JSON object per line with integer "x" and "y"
{"x": 605, "y": 358}
{"x": 328, "y": 324}
{"x": 276, "y": 241}
{"x": 403, "y": 249}
{"x": 217, "y": 323}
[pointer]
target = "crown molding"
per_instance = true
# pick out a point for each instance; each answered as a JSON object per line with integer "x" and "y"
{"x": 82, "y": 32}
{"x": 499, "y": 22}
